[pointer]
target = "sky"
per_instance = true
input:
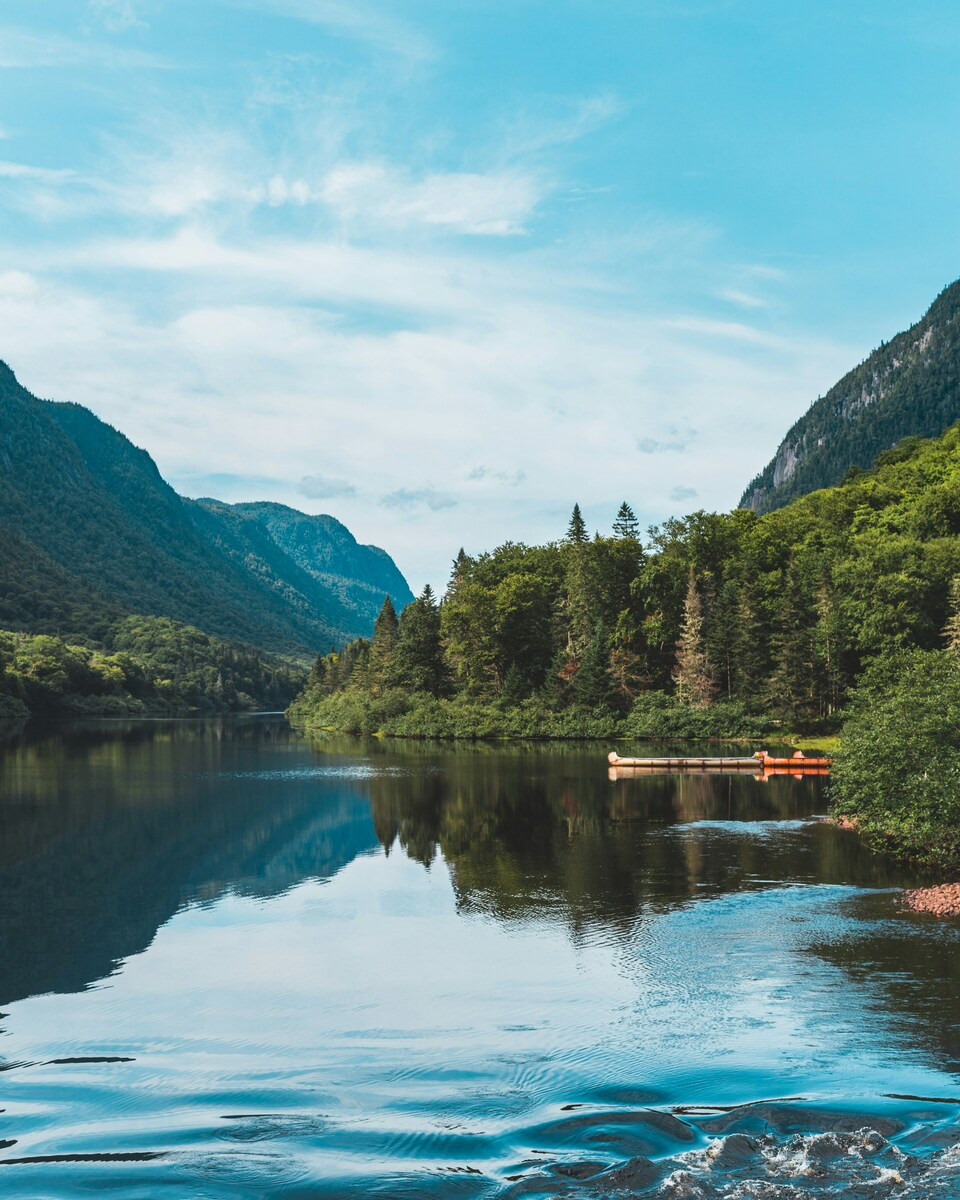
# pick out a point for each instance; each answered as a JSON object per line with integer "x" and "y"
{"x": 441, "y": 268}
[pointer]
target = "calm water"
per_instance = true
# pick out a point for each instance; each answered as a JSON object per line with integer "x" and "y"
{"x": 238, "y": 963}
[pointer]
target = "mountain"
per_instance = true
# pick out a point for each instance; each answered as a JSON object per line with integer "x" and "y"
{"x": 90, "y": 531}
{"x": 908, "y": 387}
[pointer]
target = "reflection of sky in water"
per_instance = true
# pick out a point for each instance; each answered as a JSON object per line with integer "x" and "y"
{"x": 367, "y": 1016}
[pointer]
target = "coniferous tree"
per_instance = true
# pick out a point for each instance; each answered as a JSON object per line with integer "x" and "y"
{"x": 458, "y": 573}
{"x": 626, "y": 524}
{"x": 383, "y": 647}
{"x": 692, "y": 673}
{"x": 577, "y": 529}
{"x": 417, "y": 663}
{"x": 592, "y": 684}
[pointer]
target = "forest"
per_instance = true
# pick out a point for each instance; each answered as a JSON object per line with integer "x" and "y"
{"x": 145, "y": 665}
{"x": 710, "y": 625}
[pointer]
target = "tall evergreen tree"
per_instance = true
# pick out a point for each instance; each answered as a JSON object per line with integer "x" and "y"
{"x": 385, "y": 631}
{"x": 626, "y": 524}
{"x": 692, "y": 673}
{"x": 592, "y": 683}
{"x": 418, "y": 657}
{"x": 577, "y": 529}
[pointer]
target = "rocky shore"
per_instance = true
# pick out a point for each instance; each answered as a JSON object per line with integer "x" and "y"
{"x": 942, "y": 900}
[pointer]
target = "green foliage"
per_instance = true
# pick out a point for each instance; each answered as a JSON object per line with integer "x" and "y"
{"x": 90, "y": 531}
{"x": 149, "y": 665}
{"x": 723, "y": 625}
{"x": 658, "y": 715}
{"x": 898, "y": 768}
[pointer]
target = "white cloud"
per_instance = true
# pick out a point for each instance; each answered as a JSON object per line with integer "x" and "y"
{"x": 468, "y": 202}
{"x": 743, "y": 299}
{"x": 21, "y": 49}
{"x": 15, "y": 170}
{"x": 353, "y": 19}
{"x": 117, "y": 15}
{"x": 233, "y": 373}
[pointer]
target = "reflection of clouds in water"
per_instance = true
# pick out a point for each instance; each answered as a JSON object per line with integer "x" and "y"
{"x": 761, "y": 829}
{"x": 361, "y": 771}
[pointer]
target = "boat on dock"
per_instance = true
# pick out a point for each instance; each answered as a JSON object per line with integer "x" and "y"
{"x": 761, "y": 762}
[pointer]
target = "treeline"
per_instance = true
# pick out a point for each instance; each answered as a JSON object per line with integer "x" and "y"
{"x": 145, "y": 665}
{"x": 712, "y": 624}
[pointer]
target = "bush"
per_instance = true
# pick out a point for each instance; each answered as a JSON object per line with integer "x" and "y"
{"x": 658, "y": 715}
{"x": 898, "y": 767}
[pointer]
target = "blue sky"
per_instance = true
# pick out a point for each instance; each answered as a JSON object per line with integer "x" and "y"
{"x": 441, "y": 269}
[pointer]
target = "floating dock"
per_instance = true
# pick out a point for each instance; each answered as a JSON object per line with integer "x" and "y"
{"x": 762, "y": 761}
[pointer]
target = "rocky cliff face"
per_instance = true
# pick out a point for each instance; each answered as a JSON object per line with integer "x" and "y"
{"x": 908, "y": 387}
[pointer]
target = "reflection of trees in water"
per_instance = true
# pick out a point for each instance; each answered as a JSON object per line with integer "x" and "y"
{"x": 523, "y": 832}
{"x": 531, "y": 839}
{"x": 105, "y": 832}
{"x": 912, "y": 963}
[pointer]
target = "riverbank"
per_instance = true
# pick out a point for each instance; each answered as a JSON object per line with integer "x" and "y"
{"x": 396, "y": 713}
{"x": 942, "y": 900}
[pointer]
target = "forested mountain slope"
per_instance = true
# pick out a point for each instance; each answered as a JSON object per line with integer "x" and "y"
{"x": 93, "y": 531}
{"x": 908, "y": 387}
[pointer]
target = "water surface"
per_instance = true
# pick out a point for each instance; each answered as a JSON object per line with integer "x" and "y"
{"x": 236, "y": 962}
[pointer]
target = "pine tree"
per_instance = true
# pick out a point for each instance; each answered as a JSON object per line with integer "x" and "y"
{"x": 951, "y": 630}
{"x": 722, "y": 634}
{"x": 592, "y": 684}
{"x": 626, "y": 524}
{"x": 418, "y": 664}
{"x": 461, "y": 565}
{"x": 793, "y": 683}
{"x": 692, "y": 674}
{"x": 382, "y": 650}
{"x": 577, "y": 529}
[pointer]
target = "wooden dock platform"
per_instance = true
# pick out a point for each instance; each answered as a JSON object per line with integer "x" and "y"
{"x": 762, "y": 761}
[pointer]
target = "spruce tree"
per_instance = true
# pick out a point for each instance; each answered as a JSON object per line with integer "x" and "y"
{"x": 626, "y": 524}
{"x": 692, "y": 673}
{"x": 592, "y": 683}
{"x": 385, "y": 630}
{"x": 418, "y": 664}
{"x": 577, "y": 529}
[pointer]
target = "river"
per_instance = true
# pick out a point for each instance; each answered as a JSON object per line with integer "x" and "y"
{"x": 238, "y": 962}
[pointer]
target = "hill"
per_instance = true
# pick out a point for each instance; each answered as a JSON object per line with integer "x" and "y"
{"x": 909, "y": 387}
{"x": 93, "y": 531}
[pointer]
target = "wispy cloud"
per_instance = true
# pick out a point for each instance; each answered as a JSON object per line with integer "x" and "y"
{"x": 421, "y": 498}
{"x": 20, "y": 48}
{"x": 15, "y": 170}
{"x": 117, "y": 15}
{"x": 322, "y": 487}
{"x": 674, "y": 440}
{"x": 510, "y": 478}
{"x": 683, "y": 493}
{"x": 743, "y": 299}
{"x": 353, "y": 19}
{"x": 470, "y": 202}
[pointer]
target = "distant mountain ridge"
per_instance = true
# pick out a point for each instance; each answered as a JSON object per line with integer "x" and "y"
{"x": 90, "y": 530}
{"x": 908, "y": 387}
